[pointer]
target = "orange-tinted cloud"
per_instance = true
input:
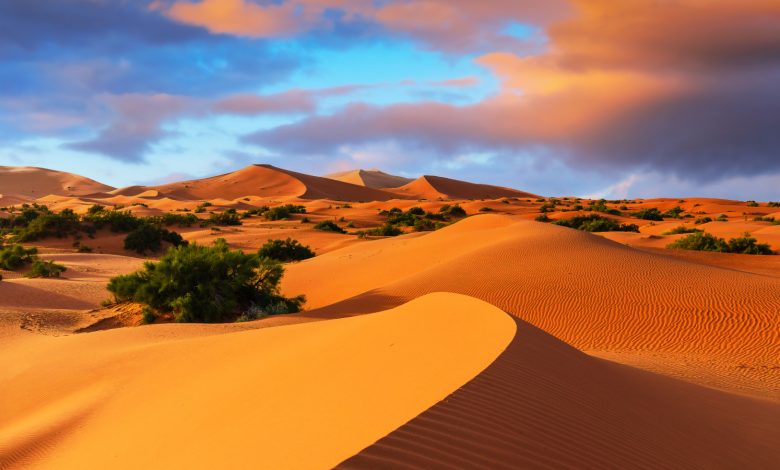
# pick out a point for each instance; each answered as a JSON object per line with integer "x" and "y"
{"x": 686, "y": 86}
{"x": 238, "y": 17}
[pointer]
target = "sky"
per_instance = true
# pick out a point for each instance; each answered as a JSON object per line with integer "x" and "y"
{"x": 598, "y": 98}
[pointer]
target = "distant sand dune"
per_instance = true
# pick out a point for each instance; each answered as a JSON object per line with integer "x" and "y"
{"x": 370, "y": 178}
{"x": 39, "y": 182}
{"x": 437, "y": 187}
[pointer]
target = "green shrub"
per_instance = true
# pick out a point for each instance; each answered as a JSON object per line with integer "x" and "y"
{"x": 764, "y": 219}
{"x": 285, "y": 250}
{"x": 706, "y": 242}
{"x": 209, "y": 284}
{"x": 773, "y": 204}
{"x": 115, "y": 220}
{"x": 50, "y": 224}
{"x": 329, "y": 226}
{"x": 542, "y": 218}
{"x": 453, "y": 210}
{"x": 148, "y": 237}
{"x": 15, "y": 256}
{"x": 752, "y": 204}
{"x": 682, "y": 229}
{"x": 41, "y": 268}
{"x": 722, "y": 218}
{"x": 228, "y": 218}
{"x": 702, "y": 220}
{"x": 386, "y": 230}
{"x": 649, "y": 214}
{"x": 283, "y": 212}
{"x": 84, "y": 249}
{"x": 148, "y": 316}
{"x": 596, "y": 223}
{"x": 674, "y": 212}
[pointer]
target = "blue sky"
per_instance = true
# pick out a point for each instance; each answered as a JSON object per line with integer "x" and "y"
{"x": 536, "y": 95}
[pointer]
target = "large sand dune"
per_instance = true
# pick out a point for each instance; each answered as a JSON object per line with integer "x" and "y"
{"x": 269, "y": 181}
{"x": 227, "y": 400}
{"x": 437, "y": 187}
{"x": 710, "y": 325}
{"x": 370, "y": 178}
{"x": 33, "y": 183}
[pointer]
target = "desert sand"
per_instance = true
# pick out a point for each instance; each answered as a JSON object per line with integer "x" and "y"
{"x": 494, "y": 342}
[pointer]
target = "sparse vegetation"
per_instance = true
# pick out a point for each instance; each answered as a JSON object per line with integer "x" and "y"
{"x": 702, "y": 241}
{"x": 283, "y": 212}
{"x": 148, "y": 237}
{"x": 649, "y": 214}
{"x": 223, "y": 219}
{"x": 198, "y": 283}
{"x": 329, "y": 226}
{"x": 682, "y": 229}
{"x": 453, "y": 210}
{"x": 702, "y": 220}
{"x": 596, "y": 223}
{"x": 15, "y": 256}
{"x": 41, "y": 268}
{"x": 285, "y": 250}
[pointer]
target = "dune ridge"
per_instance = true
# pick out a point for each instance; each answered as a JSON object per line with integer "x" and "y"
{"x": 437, "y": 187}
{"x": 370, "y": 178}
{"x": 592, "y": 293}
{"x": 33, "y": 183}
{"x": 356, "y": 380}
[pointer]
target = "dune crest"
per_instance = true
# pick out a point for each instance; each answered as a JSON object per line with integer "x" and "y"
{"x": 437, "y": 187}
{"x": 370, "y": 178}
{"x": 34, "y": 183}
{"x": 356, "y": 380}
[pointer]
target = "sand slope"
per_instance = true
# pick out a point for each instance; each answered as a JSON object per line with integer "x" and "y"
{"x": 370, "y": 178}
{"x": 543, "y": 404}
{"x": 233, "y": 400}
{"x": 268, "y": 181}
{"x": 33, "y": 183}
{"x": 710, "y": 325}
{"x": 437, "y": 187}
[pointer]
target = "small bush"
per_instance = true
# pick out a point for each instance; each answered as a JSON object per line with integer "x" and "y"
{"x": 15, "y": 256}
{"x": 148, "y": 316}
{"x": 722, "y": 218}
{"x": 224, "y": 219}
{"x": 42, "y": 268}
{"x": 329, "y": 226}
{"x": 765, "y": 219}
{"x": 649, "y": 214}
{"x": 285, "y": 250}
{"x": 206, "y": 284}
{"x": 702, "y": 220}
{"x": 674, "y": 212}
{"x": 596, "y": 223}
{"x": 148, "y": 237}
{"x": 84, "y": 249}
{"x": 682, "y": 229}
{"x": 542, "y": 218}
{"x": 283, "y": 212}
{"x": 752, "y": 204}
{"x": 453, "y": 210}
{"x": 702, "y": 241}
{"x": 386, "y": 230}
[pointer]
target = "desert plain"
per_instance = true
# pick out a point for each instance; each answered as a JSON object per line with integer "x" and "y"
{"x": 494, "y": 339}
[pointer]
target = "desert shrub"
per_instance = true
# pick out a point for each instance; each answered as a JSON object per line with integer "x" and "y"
{"x": 649, "y": 214}
{"x": 84, "y": 249}
{"x": 148, "y": 316}
{"x": 773, "y": 204}
{"x": 329, "y": 226}
{"x": 453, "y": 210}
{"x": 223, "y": 219}
{"x": 277, "y": 213}
{"x": 148, "y": 237}
{"x": 41, "y": 268}
{"x": 416, "y": 211}
{"x": 199, "y": 283}
{"x": 748, "y": 245}
{"x": 95, "y": 208}
{"x": 15, "y": 256}
{"x": 168, "y": 219}
{"x": 702, "y": 220}
{"x": 596, "y": 223}
{"x": 542, "y": 218}
{"x": 674, "y": 212}
{"x": 722, "y": 218}
{"x": 681, "y": 229}
{"x": 700, "y": 241}
{"x": 386, "y": 230}
{"x": 305, "y": 220}
{"x": 49, "y": 224}
{"x": 764, "y": 219}
{"x": 752, "y": 204}
{"x": 285, "y": 250}
{"x": 115, "y": 220}
{"x": 425, "y": 225}
{"x": 601, "y": 206}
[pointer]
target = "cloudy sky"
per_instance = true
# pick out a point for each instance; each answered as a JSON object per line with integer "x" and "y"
{"x": 616, "y": 98}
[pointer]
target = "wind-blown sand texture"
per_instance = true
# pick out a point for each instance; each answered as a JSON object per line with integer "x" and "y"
{"x": 495, "y": 342}
{"x": 370, "y": 178}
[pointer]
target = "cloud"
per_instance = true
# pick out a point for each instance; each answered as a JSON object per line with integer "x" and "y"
{"x": 685, "y": 87}
{"x": 239, "y": 17}
{"x": 289, "y": 102}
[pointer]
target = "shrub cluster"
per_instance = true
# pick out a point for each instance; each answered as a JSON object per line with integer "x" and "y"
{"x": 149, "y": 237}
{"x": 198, "y": 283}
{"x": 15, "y": 256}
{"x": 285, "y": 250}
{"x": 682, "y": 229}
{"x": 702, "y": 241}
{"x": 283, "y": 212}
{"x": 42, "y": 268}
{"x": 329, "y": 226}
{"x": 702, "y": 220}
{"x": 649, "y": 214}
{"x": 596, "y": 223}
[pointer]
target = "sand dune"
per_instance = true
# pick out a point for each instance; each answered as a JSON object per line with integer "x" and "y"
{"x": 224, "y": 400}
{"x": 543, "y": 404}
{"x": 713, "y": 326}
{"x": 269, "y": 181}
{"x": 437, "y": 187}
{"x": 370, "y": 178}
{"x": 32, "y": 182}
